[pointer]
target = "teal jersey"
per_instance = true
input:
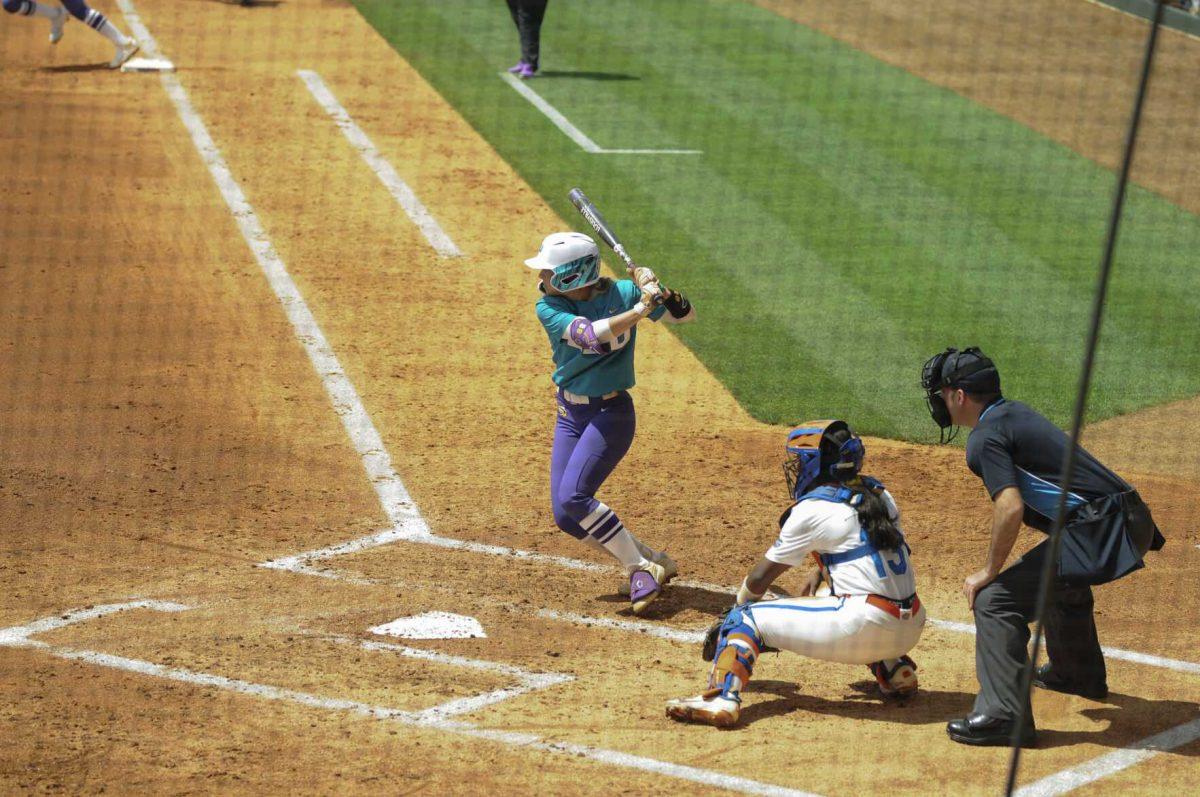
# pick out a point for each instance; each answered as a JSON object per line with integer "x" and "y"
{"x": 584, "y": 372}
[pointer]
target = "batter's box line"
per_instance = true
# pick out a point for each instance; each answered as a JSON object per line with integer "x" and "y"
{"x": 304, "y": 563}
{"x": 436, "y": 718}
{"x": 574, "y": 133}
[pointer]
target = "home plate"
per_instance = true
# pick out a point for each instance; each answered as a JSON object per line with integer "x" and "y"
{"x": 147, "y": 65}
{"x": 433, "y": 625}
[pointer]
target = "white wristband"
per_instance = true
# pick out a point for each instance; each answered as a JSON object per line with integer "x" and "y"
{"x": 744, "y": 595}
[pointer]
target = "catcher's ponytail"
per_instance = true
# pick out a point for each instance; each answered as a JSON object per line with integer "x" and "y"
{"x": 875, "y": 517}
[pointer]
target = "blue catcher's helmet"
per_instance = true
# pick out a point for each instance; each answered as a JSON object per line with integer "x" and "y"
{"x": 819, "y": 452}
{"x": 572, "y": 256}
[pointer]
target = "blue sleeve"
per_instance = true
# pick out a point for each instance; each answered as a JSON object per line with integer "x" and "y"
{"x": 554, "y": 318}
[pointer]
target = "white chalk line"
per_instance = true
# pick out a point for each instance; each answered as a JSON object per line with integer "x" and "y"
{"x": 1101, "y": 767}
{"x": 393, "y": 496}
{"x": 435, "y": 718}
{"x": 395, "y": 185}
{"x": 397, "y": 505}
{"x": 574, "y": 133}
{"x": 299, "y": 563}
{"x": 636, "y": 626}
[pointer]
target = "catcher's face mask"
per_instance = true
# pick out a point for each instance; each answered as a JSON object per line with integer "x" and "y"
{"x": 955, "y": 369}
{"x": 805, "y": 465}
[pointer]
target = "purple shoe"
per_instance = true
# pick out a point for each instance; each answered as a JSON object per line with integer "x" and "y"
{"x": 645, "y": 586}
{"x": 517, "y": 68}
{"x": 527, "y": 71}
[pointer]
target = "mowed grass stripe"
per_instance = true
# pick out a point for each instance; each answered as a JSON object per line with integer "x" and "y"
{"x": 846, "y": 219}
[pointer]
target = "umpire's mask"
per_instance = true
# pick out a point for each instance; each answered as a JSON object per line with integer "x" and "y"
{"x": 970, "y": 370}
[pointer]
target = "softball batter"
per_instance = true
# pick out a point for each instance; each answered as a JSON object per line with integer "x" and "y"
{"x": 592, "y": 326}
{"x": 851, "y": 526}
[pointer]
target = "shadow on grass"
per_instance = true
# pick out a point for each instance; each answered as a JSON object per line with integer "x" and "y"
{"x": 568, "y": 75}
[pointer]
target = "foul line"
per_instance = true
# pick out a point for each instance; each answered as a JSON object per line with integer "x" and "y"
{"x": 387, "y": 175}
{"x": 435, "y": 718}
{"x": 573, "y": 132}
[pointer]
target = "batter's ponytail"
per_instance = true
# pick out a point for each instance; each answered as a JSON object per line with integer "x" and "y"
{"x": 876, "y": 518}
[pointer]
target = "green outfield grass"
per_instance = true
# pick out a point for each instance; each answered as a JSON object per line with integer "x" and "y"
{"x": 845, "y": 220}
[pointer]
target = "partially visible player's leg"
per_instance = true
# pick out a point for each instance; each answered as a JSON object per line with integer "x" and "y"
{"x": 739, "y": 643}
{"x": 31, "y": 8}
{"x": 125, "y": 46}
{"x": 601, "y": 446}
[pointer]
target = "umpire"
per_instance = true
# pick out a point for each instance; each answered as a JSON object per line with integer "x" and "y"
{"x": 1018, "y": 454}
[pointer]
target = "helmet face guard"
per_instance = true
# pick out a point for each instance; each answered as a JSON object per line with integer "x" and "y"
{"x": 943, "y": 370}
{"x": 805, "y": 465}
{"x": 576, "y": 274}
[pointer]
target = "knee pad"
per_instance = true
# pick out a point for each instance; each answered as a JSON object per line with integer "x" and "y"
{"x": 738, "y": 646}
{"x": 78, "y": 9}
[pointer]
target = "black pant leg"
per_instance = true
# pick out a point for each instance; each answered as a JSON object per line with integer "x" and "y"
{"x": 1003, "y": 612}
{"x": 1072, "y": 644}
{"x": 528, "y": 15}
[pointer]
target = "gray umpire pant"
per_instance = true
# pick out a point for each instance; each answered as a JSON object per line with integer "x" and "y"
{"x": 527, "y": 15}
{"x": 1004, "y": 610}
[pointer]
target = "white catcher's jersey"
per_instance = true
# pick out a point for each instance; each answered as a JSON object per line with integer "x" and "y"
{"x": 825, "y": 527}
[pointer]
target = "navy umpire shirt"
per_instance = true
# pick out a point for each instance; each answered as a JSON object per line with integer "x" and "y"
{"x": 1014, "y": 445}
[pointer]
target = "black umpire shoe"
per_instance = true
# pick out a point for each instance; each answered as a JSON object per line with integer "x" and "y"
{"x": 985, "y": 731}
{"x": 1046, "y": 679}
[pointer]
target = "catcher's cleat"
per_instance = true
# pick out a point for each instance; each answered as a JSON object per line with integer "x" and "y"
{"x": 661, "y": 558}
{"x": 57, "y": 24}
{"x": 646, "y": 585}
{"x": 897, "y": 678}
{"x": 124, "y": 53}
{"x": 710, "y": 708}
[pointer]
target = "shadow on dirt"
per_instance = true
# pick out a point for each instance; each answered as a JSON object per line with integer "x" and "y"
{"x": 676, "y": 599}
{"x": 1130, "y": 718}
{"x": 928, "y": 707}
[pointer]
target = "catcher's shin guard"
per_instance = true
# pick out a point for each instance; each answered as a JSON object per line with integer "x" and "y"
{"x": 738, "y": 647}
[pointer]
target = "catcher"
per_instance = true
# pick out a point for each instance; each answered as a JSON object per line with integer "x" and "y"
{"x": 871, "y": 615}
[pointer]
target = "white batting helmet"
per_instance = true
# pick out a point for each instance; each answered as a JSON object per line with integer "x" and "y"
{"x": 572, "y": 256}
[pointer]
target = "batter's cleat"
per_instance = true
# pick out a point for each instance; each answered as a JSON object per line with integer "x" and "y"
{"x": 516, "y": 68}
{"x": 124, "y": 53}
{"x": 668, "y": 565}
{"x": 57, "y": 24}
{"x": 646, "y": 585}
{"x": 526, "y": 71}
{"x": 709, "y": 708}
{"x": 1046, "y": 678}
{"x": 897, "y": 678}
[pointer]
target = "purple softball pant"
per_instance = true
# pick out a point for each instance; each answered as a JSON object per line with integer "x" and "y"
{"x": 589, "y": 440}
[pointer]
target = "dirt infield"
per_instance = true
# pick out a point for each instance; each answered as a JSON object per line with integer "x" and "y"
{"x": 164, "y": 432}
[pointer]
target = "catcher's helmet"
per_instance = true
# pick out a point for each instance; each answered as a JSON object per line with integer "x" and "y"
{"x": 818, "y": 451}
{"x": 572, "y": 256}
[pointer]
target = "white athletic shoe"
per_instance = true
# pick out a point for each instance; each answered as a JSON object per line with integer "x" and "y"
{"x": 57, "y": 24}
{"x": 709, "y": 708}
{"x": 669, "y": 567}
{"x": 124, "y": 53}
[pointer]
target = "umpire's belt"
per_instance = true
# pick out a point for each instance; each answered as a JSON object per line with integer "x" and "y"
{"x": 902, "y": 609}
{"x": 575, "y": 398}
